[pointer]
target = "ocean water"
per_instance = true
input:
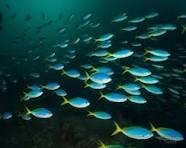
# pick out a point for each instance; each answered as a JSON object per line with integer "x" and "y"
{"x": 32, "y": 31}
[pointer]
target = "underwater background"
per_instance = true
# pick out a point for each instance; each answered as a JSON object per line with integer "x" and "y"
{"x": 32, "y": 30}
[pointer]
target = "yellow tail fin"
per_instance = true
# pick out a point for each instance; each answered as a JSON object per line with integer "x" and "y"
{"x": 152, "y": 127}
{"x": 87, "y": 76}
{"x": 117, "y": 130}
{"x": 109, "y": 55}
{"x": 136, "y": 79}
{"x": 86, "y": 84}
{"x": 48, "y": 67}
{"x": 101, "y": 144}
{"x": 28, "y": 111}
{"x": 65, "y": 101}
{"x": 146, "y": 59}
{"x": 146, "y": 51}
{"x": 183, "y": 29}
{"x": 125, "y": 68}
{"x": 63, "y": 72}
{"x": 118, "y": 87}
{"x": 101, "y": 96}
{"x": 184, "y": 70}
{"x": 93, "y": 69}
{"x": 90, "y": 113}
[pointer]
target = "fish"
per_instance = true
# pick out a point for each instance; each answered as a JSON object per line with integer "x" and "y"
{"x": 100, "y": 115}
{"x": 153, "y": 89}
{"x": 34, "y": 93}
{"x": 152, "y": 15}
{"x": 120, "y": 18}
{"x": 58, "y": 66}
{"x": 183, "y": 29}
{"x": 94, "y": 85}
{"x": 105, "y": 37}
{"x": 39, "y": 112}
{"x": 133, "y": 92}
{"x": 137, "y": 20}
{"x": 147, "y": 80}
{"x": 102, "y": 69}
{"x": 102, "y": 145}
{"x": 124, "y": 53}
{"x": 168, "y": 133}
{"x": 182, "y": 16}
{"x": 137, "y": 99}
{"x": 129, "y": 86}
{"x": 73, "y": 73}
{"x": 99, "y": 53}
{"x": 135, "y": 132}
{"x": 51, "y": 86}
{"x": 99, "y": 77}
{"x": 158, "y": 52}
{"x": 87, "y": 16}
{"x": 113, "y": 97}
{"x": 60, "y": 92}
{"x": 156, "y": 59}
{"x": 137, "y": 71}
{"x": 77, "y": 102}
{"x": 129, "y": 28}
{"x": 24, "y": 116}
{"x": 6, "y": 116}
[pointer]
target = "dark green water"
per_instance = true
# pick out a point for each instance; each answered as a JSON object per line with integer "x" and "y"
{"x": 31, "y": 28}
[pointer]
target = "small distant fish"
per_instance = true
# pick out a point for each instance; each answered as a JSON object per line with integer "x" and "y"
{"x": 102, "y": 145}
{"x": 105, "y": 37}
{"x": 28, "y": 18}
{"x": 100, "y": 115}
{"x": 6, "y": 115}
{"x": 153, "y": 89}
{"x": 182, "y": 16}
{"x": 87, "y": 16}
{"x": 129, "y": 28}
{"x": 60, "y": 92}
{"x": 151, "y": 15}
{"x": 137, "y": 20}
{"x": 137, "y": 99}
{"x": 120, "y": 18}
